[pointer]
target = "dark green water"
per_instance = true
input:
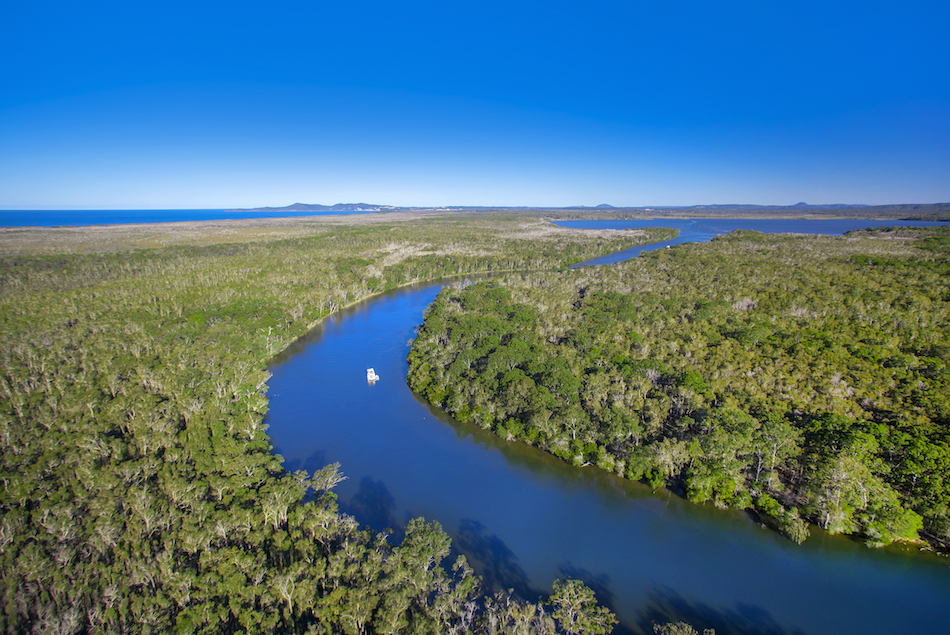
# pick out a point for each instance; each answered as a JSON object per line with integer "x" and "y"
{"x": 524, "y": 518}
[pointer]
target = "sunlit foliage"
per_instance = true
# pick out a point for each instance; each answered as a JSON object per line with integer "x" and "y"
{"x": 804, "y": 377}
{"x": 139, "y": 489}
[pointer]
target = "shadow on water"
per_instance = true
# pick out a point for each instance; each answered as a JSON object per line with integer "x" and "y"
{"x": 493, "y": 560}
{"x": 600, "y": 585}
{"x": 373, "y": 505}
{"x": 536, "y": 461}
{"x": 665, "y": 605}
{"x": 311, "y": 464}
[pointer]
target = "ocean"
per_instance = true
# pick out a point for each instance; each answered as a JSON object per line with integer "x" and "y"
{"x": 82, "y": 217}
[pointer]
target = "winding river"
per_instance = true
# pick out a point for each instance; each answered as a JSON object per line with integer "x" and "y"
{"x": 524, "y": 518}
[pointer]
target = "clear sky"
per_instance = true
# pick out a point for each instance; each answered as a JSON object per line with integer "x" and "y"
{"x": 195, "y": 104}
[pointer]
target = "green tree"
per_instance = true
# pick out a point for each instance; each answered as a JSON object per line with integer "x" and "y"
{"x": 576, "y": 609}
{"x": 679, "y": 628}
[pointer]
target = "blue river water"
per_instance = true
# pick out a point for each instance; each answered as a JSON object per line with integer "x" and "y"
{"x": 698, "y": 230}
{"x": 524, "y": 518}
{"x": 83, "y": 217}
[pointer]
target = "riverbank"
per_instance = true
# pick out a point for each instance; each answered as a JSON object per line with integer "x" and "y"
{"x": 135, "y": 458}
{"x": 523, "y": 517}
{"x": 709, "y": 368}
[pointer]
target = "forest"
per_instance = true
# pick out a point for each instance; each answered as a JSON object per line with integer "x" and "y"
{"x": 140, "y": 492}
{"x": 804, "y": 378}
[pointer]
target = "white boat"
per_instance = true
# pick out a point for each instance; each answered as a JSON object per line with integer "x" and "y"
{"x": 371, "y": 375}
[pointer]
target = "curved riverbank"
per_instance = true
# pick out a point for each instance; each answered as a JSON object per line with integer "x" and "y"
{"x": 134, "y": 459}
{"x": 754, "y": 372}
{"x": 525, "y": 518}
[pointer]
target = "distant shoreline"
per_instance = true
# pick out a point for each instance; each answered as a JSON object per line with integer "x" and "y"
{"x": 86, "y": 218}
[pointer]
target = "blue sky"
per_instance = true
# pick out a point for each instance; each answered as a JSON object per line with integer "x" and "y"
{"x": 231, "y": 104}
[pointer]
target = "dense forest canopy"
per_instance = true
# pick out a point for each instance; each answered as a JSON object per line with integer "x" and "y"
{"x": 804, "y": 377}
{"x": 139, "y": 489}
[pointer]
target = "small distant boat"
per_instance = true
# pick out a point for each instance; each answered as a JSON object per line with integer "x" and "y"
{"x": 371, "y": 375}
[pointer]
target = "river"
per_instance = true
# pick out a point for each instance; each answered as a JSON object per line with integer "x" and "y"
{"x": 524, "y": 518}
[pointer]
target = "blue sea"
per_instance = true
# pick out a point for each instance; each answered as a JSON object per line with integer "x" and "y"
{"x": 80, "y": 217}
